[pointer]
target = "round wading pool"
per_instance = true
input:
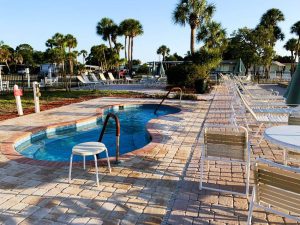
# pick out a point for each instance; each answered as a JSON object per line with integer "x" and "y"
{"x": 56, "y": 144}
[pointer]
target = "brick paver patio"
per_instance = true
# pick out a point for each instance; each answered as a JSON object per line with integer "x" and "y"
{"x": 158, "y": 186}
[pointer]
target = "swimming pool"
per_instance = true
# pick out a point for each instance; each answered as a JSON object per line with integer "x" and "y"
{"x": 56, "y": 145}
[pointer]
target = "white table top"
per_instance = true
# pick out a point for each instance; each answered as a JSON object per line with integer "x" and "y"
{"x": 285, "y": 136}
{"x": 88, "y": 148}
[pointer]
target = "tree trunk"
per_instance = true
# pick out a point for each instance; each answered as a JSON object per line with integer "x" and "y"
{"x": 125, "y": 47}
{"x": 109, "y": 41}
{"x": 298, "y": 46}
{"x": 7, "y": 65}
{"x": 131, "y": 53}
{"x": 192, "y": 41}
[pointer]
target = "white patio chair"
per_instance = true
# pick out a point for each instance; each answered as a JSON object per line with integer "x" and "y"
{"x": 276, "y": 190}
{"x": 227, "y": 144}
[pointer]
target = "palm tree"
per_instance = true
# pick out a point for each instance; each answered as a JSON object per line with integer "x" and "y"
{"x": 164, "y": 51}
{"x": 291, "y": 45}
{"x": 270, "y": 19}
{"x": 59, "y": 42}
{"x": 135, "y": 28}
{"x": 295, "y": 29}
{"x": 196, "y": 13}
{"x": 50, "y": 43}
{"x": 5, "y": 55}
{"x": 213, "y": 35}
{"x": 124, "y": 30}
{"x": 84, "y": 54}
{"x": 18, "y": 58}
{"x": 118, "y": 47}
{"x": 104, "y": 28}
{"x": 70, "y": 42}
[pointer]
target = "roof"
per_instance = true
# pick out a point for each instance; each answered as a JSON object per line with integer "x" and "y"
{"x": 278, "y": 63}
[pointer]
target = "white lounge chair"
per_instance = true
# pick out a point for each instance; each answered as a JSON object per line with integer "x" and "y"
{"x": 95, "y": 79}
{"x": 276, "y": 190}
{"x": 113, "y": 80}
{"x": 103, "y": 79}
{"x": 128, "y": 79}
{"x": 86, "y": 83}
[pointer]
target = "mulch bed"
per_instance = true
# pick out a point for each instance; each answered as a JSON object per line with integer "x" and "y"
{"x": 56, "y": 104}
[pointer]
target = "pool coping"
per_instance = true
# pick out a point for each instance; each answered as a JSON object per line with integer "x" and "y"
{"x": 7, "y": 147}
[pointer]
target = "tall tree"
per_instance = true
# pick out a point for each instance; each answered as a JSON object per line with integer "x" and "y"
{"x": 295, "y": 29}
{"x": 84, "y": 54}
{"x": 27, "y": 53}
{"x": 213, "y": 36}
{"x": 71, "y": 42}
{"x": 5, "y": 55}
{"x": 135, "y": 29}
{"x": 269, "y": 21}
{"x": 124, "y": 30}
{"x": 241, "y": 45}
{"x": 164, "y": 51}
{"x": 105, "y": 28}
{"x": 291, "y": 45}
{"x": 195, "y": 13}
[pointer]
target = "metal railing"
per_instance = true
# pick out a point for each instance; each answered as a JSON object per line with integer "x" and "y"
{"x": 111, "y": 115}
{"x": 164, "y": 98}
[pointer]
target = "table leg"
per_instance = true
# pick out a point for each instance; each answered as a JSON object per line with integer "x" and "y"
{"x": 284, "y": 156}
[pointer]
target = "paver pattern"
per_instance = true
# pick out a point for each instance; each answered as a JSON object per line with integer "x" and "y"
{"x": 159, "y": 185}
{"x": 136, "y": 192}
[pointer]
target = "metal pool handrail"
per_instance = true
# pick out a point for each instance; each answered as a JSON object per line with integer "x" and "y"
{"x": 117, "y": 133}
{"x": 164, "y": 98}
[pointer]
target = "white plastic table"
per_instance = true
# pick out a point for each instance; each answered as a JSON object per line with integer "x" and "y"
{"x": 286, "y": 137}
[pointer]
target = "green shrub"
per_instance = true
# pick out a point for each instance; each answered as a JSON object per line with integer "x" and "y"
{"x": 201, "y": 86}
{"x": 185, "y": 75}
{"x": 143, "y": 69}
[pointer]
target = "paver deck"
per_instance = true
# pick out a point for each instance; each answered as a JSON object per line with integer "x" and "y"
{"x": 160, "y": 186}
{"x": 136, "y": 192}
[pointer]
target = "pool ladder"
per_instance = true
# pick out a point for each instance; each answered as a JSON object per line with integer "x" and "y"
{"x": 111, "y": 115}
{"x": 164, "y": 98}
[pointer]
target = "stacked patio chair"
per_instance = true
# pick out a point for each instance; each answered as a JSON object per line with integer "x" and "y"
{"x": 276, "y": 190}
{"x": 103, "y": 79}
{"x": 95, "y": 79}
{"x": 84, "y": 82}
{"x": 227, "y": 144}
{"x": 113, "y": 80}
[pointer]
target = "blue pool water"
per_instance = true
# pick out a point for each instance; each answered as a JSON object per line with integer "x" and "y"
{"x": 57, "y": 145}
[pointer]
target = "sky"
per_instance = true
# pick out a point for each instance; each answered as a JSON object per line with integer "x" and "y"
{"x": 35, "y": 21}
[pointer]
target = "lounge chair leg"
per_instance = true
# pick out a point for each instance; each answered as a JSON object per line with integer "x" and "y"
{"x": 248, "y": 177}
{"x": 249, "y": 220}
{"x": 108, "y": 163}
{"x": 285, "y": 156}
{"x": 201, "y": 171}
{"x": 96, "y": 168}
{"x": 84, "y": 162}
{"x": 70, "y": 168}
